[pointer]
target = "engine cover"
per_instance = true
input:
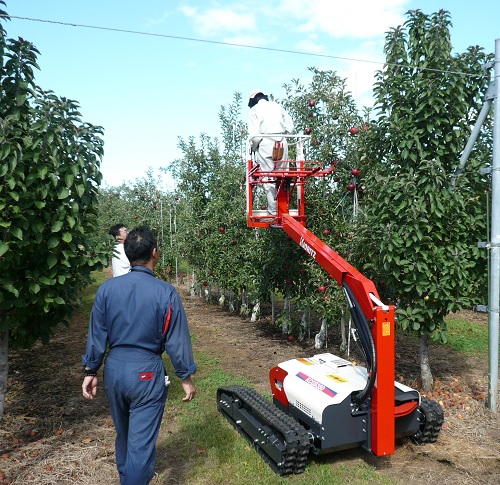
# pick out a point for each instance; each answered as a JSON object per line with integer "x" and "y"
{"x": 314, "y": 383}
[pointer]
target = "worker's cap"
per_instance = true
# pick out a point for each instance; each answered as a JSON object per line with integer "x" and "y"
{"x": 254, "y": 93}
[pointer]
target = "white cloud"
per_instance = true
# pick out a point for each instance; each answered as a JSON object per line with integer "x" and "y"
{"x": 215, "y": 21}
{"x": 343, "y": 19}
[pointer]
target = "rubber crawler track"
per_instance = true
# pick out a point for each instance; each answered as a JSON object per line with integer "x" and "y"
{"x": 290, "y": 440}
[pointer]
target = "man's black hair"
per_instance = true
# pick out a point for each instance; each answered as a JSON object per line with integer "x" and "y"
{"x": 139, "y": 245}
{"x": 115, "y": 230}
{"x": 253, "y": 101}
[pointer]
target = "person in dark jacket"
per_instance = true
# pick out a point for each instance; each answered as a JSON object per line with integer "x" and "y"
{"x": 134, "y": 319}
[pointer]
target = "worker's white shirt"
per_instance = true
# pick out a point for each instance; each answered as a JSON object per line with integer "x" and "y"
{"x": 269, "y": 117}
{"x": 120, "y": 262}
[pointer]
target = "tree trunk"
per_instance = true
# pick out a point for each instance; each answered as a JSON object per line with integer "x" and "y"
{"x": 304, "y": 324}
{"x": 255, "y": 312}
{"x": 4, "y": 369}
{"x": 273, "y": 315}
{"x": 425, "y": 367}
{"x": 343, "y": 344}
{"x": 286, "y": 313}
{"x": 321, "y": 338}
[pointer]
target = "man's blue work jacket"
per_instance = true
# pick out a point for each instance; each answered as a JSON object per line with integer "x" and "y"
{"x": 139, "y": 311}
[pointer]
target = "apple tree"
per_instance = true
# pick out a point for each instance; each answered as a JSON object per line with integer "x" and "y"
{"x": 418, "y": 235}
{"x": 49, "y": 177}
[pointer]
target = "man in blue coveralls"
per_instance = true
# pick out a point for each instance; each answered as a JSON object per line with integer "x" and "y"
{"x": 139, "y": 317}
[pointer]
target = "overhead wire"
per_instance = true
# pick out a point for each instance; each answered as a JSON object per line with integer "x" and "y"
{"x": 246, "y": 46}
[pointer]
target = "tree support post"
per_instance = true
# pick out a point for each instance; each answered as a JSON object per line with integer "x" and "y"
{"x": 494, "y": 291}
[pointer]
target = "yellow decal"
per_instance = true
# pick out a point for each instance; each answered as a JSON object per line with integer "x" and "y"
{"x": 386, "y": 329}
{"x": 305, "y": 361}
{"x": 336, "y": 378}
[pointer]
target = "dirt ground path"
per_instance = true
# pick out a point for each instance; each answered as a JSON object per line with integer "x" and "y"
{"x": 51, "y": 435}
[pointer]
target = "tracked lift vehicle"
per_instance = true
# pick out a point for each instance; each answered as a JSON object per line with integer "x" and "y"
{"x": 324, "y": 403}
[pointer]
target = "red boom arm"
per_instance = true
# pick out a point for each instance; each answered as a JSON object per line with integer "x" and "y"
{"x": 382, "y": 329}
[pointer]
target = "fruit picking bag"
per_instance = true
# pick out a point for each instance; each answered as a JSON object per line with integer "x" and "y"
{"x": 277, "y": 151}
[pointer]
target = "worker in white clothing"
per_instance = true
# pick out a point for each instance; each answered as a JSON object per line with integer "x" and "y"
{"x": 268, "y": 117}
{"x": 120, "y": 262}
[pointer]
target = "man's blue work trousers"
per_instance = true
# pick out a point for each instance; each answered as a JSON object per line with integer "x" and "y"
{"x": 134, "y": 382}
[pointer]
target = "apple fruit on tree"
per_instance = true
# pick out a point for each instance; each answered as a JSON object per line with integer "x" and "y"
{"x": 353, "y": 131}
{"x": 351, "y": 187}
{"x": 355, "y": 171}
{"x": 222, "y": 229}
{"x": 322, "y": 288}
{"x": 326, "y": 232}
{"x": 312, "y": 103}
{"x": 308, "y": 131}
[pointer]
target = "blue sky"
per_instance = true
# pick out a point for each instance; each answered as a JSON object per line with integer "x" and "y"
{"x": 146, "y": 91}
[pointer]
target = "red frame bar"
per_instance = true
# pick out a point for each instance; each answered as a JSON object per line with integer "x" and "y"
{"x": 383, "y": 411}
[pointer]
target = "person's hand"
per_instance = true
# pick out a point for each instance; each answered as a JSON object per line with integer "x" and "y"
{"x": 189, "y": 389}
{"x": 254, "y": 144}
{"x": 89, "y": 387}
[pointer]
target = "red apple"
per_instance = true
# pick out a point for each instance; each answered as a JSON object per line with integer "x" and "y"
{"x": 315, "y": 142}
{"x": 289, "y": 282}
{"x": 308, "y": 131}
{"x": 326, "y": 232}
{"x": 355, "y": 171}
{"x": 312, "y": 103}
{"x": 365, "y": 127}
{"x": 322, "y": 288}
{"x": 353, "y": 131}
{"x": 205, "y": 283}
{"x": 135, "y": 217}
{"x": 291, "y": 338}
{"x": 222, "y": 229}
{"x": 351, "y": 187}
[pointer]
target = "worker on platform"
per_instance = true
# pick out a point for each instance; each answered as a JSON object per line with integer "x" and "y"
{"x": 268, "y": 117}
